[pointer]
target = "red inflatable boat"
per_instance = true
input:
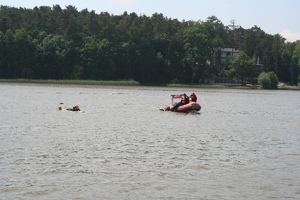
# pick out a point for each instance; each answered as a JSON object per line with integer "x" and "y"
{"x": 191, "y": 106}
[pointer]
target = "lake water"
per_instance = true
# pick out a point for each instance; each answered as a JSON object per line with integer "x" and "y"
{"x": 243, "y": 144}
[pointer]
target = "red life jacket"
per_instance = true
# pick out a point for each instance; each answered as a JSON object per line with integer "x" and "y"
{"x": 193, "y": 97}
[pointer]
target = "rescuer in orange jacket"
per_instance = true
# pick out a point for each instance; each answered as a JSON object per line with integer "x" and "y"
{"x": 193, "y": 97}
{"x": 184, "y": 100}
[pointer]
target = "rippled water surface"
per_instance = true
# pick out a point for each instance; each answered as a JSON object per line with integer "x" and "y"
{"x": 244, "y": 144}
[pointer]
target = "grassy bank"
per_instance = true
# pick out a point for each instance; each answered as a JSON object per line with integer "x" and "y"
{"x": 116, "y": 83}
{"x": 207, "y": 86}
{"x": 135, "y": 83}
{"x": 73, "y": 82}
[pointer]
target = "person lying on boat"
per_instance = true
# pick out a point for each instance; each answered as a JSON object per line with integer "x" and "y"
{"x": 184, "y": 100}
{"x": 193, "y": 97}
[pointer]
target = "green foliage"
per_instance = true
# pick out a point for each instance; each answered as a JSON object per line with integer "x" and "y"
{"x": 268, "y": 80}
{"x": 55, "y": 43}
{"x": 52, "y": 55}
{"x": 242, "y": 67}
{"x": 296, "y": 60}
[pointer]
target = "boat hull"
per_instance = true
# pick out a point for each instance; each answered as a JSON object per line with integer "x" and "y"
{"x": 192, "y": 106}
{"x": 70, "y": 110}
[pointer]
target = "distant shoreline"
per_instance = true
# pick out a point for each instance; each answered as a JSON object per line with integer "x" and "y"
{"x": 72, "y": 82}
{"x": 116, "y": 83}
{"x": 135, "y": 83}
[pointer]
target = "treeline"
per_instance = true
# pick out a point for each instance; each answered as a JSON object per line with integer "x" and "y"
{"x": 54, "y": 43}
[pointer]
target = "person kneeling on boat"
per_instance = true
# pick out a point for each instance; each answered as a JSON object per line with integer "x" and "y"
{"x": 184, "y": 100}
{"x": 193, "y": 97}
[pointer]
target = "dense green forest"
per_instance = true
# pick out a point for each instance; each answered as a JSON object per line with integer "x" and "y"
{"x": 64, "y": 43}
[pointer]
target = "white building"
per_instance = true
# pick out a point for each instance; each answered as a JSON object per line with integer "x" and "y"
{"x": 228, "y": 53}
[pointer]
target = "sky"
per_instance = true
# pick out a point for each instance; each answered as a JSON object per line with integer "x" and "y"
{"x": 272, "y": 16}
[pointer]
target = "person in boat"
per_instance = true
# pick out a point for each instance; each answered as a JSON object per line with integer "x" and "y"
{"x": 76, "y": 108}
{"x": 184, "y": 100}
{"x": 193, "y": 97}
